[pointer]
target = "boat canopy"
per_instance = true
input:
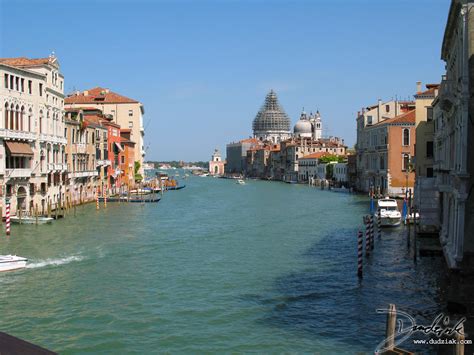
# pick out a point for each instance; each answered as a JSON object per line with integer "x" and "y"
{"x": 387, "y": 203}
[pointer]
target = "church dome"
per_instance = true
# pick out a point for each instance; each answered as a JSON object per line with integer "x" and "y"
{"x": 303, "y": 127}
{"x": 271, "y": 117}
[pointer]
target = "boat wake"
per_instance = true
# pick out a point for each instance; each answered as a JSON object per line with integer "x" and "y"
{"x": 54, "y": 262}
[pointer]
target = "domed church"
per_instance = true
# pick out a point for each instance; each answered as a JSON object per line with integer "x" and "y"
{"x": 271, "y": 123}
{"x": 309, "y": 126}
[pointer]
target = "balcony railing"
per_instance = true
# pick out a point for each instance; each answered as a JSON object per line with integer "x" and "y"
{"x": 52, "y": 138}
{"x": 18, "y": 173}
{"x": 103, "y": 162}
{"x": 88, "y": 173}
{"x": 8, "y": 133}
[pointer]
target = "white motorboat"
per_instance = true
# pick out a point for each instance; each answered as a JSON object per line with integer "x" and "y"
{"x": 240, "y": 182}
{"x": 31, "y": 220}
{"x": 12, "y": 262}
{"x": 390, "y": 216}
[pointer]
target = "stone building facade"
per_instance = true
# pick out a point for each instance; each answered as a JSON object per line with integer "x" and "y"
{"x": 32, "y": 142}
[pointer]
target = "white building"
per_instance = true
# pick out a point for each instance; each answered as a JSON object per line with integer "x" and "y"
{"x": 454, "y": 143}
{"x": 32, "y": 142}
{"x": 340, "y": 173}
{"x": 309, "y": 126}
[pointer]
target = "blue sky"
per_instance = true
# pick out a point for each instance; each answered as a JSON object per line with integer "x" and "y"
{"x": 203, "y": 68}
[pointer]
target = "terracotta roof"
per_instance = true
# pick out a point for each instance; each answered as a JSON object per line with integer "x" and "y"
{"x": 315, "y": 155}
{"x": 250, "y": 140}
{"x": 407, "y": 117}
{"x": 97, "y": 95}
{"x": 431, "y": 90}
{"x": 24, "y": 62}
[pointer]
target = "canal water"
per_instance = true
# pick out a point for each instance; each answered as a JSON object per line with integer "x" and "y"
{"x": 264, "y": 267}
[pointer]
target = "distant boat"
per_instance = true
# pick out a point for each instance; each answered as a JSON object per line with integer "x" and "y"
{"x": 30, "y": 220}
{"x": 240, "y": 182}
{"x": 12, "y": 262}
{"x": 133, "y": 199}
{"x": 175, "y": 187}
{"x": 341, "y": 189}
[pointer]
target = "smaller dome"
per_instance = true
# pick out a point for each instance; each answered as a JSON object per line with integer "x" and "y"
{"x": 303, "y": 127}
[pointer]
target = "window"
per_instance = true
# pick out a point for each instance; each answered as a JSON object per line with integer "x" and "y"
{"x": 11, "y": 82}
{"x": 429, "y": 149}
{"x": 30, "y": 86}
{"x": 369, "y": 120}
{"x": 17, "y": 83}
{"x": 406, "y": 162}
{"x": 6, "y": 81}
{"x": 22, "y": 85}
{"x": 40, "y": 89}
{"x": 130, "y": 113}
{"x": 429, "y": 114}
{"x": 429, "y": 172}
{"x": 122, "y": 158}
{"x": 387, "y": 108}
{"x": 130, "y": 124}
{"x": 406, "y": 136}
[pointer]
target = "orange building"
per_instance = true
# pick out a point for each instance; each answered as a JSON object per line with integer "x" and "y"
{"x": 392, "y": 146}
{"x": 126, "y": 158}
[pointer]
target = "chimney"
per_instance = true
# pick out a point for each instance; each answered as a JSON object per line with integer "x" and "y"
{"x": 107, "y": 91}
{"x": 86, "y": 92}
{"x": 418, "y": 87}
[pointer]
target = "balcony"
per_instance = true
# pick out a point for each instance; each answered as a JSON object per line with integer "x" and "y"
{"x": 103, "y": 162}
{"x": 447, "y": 94}
{"x": 52, "y": 138}
{"x": 11, "y": 134}
{"x": 18, "y": 173}
{"x": 79, "y": 174}
{"x": 60, "y": 167}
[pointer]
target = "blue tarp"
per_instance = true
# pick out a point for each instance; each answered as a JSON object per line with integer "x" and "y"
{"x": 372, "y": 206}
{"x": 404, "y": 210}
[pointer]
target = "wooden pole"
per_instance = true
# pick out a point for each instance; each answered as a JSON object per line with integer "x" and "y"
{"x": 19, "y": 213}
{"x": 460, "y": 341}
{"x": 359, "y": 254}
{"x": 367, "y": 236}
{"x": 49, "y": 209}
{"x": 390, "y": 330}
{"x": 7, "y": 218}
{"x": 36, "y": 214}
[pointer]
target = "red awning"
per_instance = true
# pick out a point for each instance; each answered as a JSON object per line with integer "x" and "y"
{"x": 19, "y": 149}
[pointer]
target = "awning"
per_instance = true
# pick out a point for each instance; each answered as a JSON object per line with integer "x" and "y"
{"x": 19, "y": 149}
{"x": 119, "y": 146}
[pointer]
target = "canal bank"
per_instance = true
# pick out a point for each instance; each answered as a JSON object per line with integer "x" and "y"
{"x": 266, "y": 267}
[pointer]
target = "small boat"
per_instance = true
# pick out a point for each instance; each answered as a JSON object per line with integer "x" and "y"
{"x": 390, "y": 216}
{"x": 175, "y": 187}
{"x": 204, "y": 174}
{"x": 30, "y": 220}
{"x": 341, "y": 189}
{"x": 240, "y": 182}
{"x": 12, "y": 262}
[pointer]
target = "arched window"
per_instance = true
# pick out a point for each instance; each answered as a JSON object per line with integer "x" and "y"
{"x": 12, "y": 118}
{"x": 30, "y": 114}
{"x": 17, "y": 118}
{"x": 6, "y": 115}
{"x": 40, "y": 126}
{"x": 406, "y": 162}
{"x": 22, "y": 115}
{"x": 406, "y": 136}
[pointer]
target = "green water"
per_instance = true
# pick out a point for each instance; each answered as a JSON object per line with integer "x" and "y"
{"x": 216, "y": 267}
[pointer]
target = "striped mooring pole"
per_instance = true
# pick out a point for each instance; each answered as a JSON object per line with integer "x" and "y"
{"x": 359, "y": 254}
{"x": 379, "y": 223}
{"x": 105, "y": 195}
{"x": 7, "y": 217}
{"x": 97, "y": 198}
{"x": 367, "y": 236}
{"x": 372, "y": 241}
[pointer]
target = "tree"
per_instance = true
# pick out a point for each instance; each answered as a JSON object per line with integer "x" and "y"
{"x": 138, "y": 176}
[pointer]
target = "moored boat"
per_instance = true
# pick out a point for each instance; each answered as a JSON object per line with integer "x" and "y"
{"x": 390, "y": 216}
{"x": 240, "y": 182}
{"x": 12, "y": 262}
{"x": 30, "y": 220}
